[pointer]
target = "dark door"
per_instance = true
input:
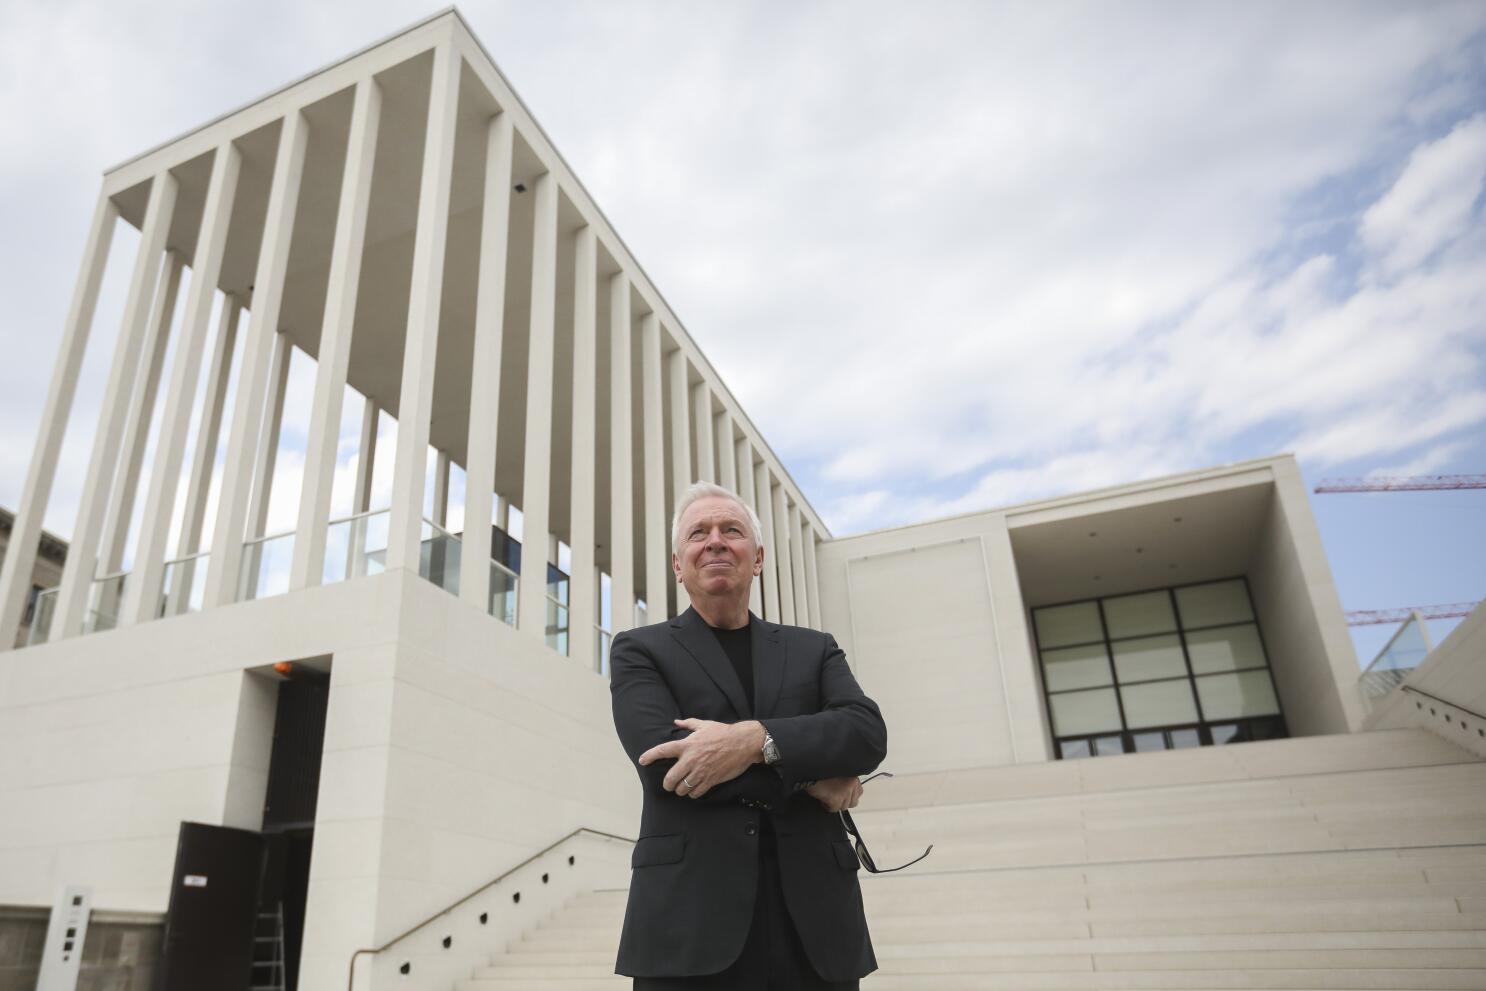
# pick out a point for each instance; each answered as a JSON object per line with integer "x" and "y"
{"x": 213, "y": 907}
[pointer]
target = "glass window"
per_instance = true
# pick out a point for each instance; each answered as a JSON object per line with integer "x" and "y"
{"x": 1106, "y": 746}
{"x": 1229, "y": 696}
{"x": 1138, "y": 615}
{"x": 1149, "y": 658}
{"x": 1227, "y": 648}
{"x": 1147, "y": 742}
{"x": 1061, "y": 626}
{"x": 1076, "y": 667}
{"x": 1074, "y": 748}
{"x": 1085, "y": 712}
{"x": 1214, "y": 604}
{"x": 1181, "y": 739}
{"x": 1159, "y": 703}
{"x": 1225, "y": 733}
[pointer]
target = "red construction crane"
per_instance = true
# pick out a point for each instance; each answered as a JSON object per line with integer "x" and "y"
{"x": 1402, "y": 483}
{"x": 1372, "y": 617}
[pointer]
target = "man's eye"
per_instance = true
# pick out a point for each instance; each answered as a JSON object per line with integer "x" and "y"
{"x": 733, "y": 529}
{"x": 697, "y": 533}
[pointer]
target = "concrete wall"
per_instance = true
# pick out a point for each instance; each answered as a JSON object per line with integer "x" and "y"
{"x": 935, "y": 621}
{"x": 454, "y": 748}
{"x": 1447, "y": 693}
{"x": 1300, "y": 615}
{"x": 932, "y": 622}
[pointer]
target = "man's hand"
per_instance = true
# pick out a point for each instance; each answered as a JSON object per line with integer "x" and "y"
{"x": 836, "y": 793}
{"x": 713, "y": 753}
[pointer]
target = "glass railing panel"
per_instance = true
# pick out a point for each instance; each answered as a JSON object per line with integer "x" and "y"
{"x": 104, "y": 600}
{"x": 265, "y": 567}
{"x": 1403, "y": 653}
{"x": 355, "y": 546}
{"x": 184, "y": 588}
{"x": 557, "y": 625}
{"x": 438, "y": 557}
{"x": 601, "y": 662}
{"x": 41, "y": 619}
{"x": 504, "y": 589}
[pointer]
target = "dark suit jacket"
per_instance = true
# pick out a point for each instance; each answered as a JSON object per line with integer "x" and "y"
{"x": 695, "y": 867}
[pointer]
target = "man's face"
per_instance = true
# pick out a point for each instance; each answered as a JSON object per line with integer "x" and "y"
{"x": 717, "y": 555}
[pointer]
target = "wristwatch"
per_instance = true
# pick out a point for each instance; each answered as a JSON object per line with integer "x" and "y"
{"x": 771, "y": 749}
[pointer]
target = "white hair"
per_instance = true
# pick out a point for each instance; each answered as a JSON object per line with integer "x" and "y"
{"x": 705, "y": 490}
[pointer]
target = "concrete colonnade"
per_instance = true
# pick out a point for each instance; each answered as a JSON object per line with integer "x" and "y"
{"x": 667, "y": 418}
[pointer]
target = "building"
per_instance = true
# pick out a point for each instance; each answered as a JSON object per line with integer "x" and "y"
{"x": 339, "y": 732}
{"x": 46, "y": 571}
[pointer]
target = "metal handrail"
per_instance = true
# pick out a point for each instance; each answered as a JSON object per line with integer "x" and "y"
{"x": 351, "y": 970}
{"x": 357, "y": 516}
{"x": 1453, "y": 705}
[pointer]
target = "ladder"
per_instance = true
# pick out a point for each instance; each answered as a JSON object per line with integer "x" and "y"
{"x": 268, "y": 951}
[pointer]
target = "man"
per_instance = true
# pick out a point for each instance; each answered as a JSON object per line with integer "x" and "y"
{"x": 748, "y": 738}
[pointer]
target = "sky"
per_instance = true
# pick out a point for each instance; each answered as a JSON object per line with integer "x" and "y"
{"x": 949, "y": 256}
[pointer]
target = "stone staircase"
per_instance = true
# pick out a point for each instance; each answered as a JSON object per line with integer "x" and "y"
{"x": 1343, "y": 862}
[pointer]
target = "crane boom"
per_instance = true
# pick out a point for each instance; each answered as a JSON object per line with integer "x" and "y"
{"x": 1372, "y": 617}
{"x": 1402, "y": 483}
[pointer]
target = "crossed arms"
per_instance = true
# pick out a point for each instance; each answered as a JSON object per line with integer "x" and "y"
{"x": 821, "y": 753}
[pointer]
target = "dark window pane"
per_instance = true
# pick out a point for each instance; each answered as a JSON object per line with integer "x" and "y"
{"x": 1073, "y": 748}
{"x": 1226, "y": 733}
{"x": 1146, "y": 742}
{"x": 1266, "y": 729}
{"x": 1181, "y": 739}
{"x": 1106, "y": 745}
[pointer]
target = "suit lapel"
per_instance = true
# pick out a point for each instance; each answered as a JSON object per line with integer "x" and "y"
{"x": 691, "y": 631}
{"x": 768, "y": 665}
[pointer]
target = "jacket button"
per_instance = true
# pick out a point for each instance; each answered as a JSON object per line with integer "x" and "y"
{"x": 750, "y": 829}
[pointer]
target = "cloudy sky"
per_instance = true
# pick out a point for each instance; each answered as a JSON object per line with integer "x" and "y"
{"x": 949, "y": 256}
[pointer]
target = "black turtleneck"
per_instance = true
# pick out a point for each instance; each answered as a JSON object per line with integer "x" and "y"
{"x": 738, "y": 645}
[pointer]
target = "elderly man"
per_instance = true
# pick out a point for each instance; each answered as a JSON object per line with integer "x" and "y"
{"x": 748, "y": 737}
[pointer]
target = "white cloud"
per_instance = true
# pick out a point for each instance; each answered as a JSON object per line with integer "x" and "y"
{"x": 1432, "y": 203}
{"x": 947, "y": 255}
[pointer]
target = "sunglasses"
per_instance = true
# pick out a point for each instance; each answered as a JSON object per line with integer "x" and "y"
{"x": 860, "y": 846}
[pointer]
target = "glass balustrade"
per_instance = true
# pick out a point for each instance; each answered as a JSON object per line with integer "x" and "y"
{"x": 504, "y": 590}
{"x": 601, "y": 662}
{"x": 438, "y": 557}
{"x": 105, "y": 599}
{"x": 265, "y": 567}
{"x": 41, "y": 619}
{"x": 1404, "y": 652}
{"x": 184, "y": 585}
{"x": 355, "y": 546}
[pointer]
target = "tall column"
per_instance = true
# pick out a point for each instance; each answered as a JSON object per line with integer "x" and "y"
{"x": 366, "y": 457}
{"x": 537, "y": 471}
{"x": 204, "y": 458}
{"x": 727, "y": 462}
{"x": 343, "y": 284}
{"x": 490, "y": 308}
{"x": 743, "y": 455}
{"x": 20, "y": 555}
{"x": 268, "y": 443}
{"x": 701, "y": 398}
{"x": 441, "y": 465}
{"x": 142, "y": 594}
{"x": 621, "y": 458}
{"x": 681, "y": 475}
{"x": 657, "y": 542}
{"x": 247, "y": 408}
{"x": 425, "y": 302}
{"x": 764, "y": 506}
{"x": 782, "y": 566}
{"x": 137, "y": 425}
{"x": 797, "y": 567}
{"x": 812, "y": 578}
{"x": 583, "y": 588}
{"x": 82, "y": 553}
